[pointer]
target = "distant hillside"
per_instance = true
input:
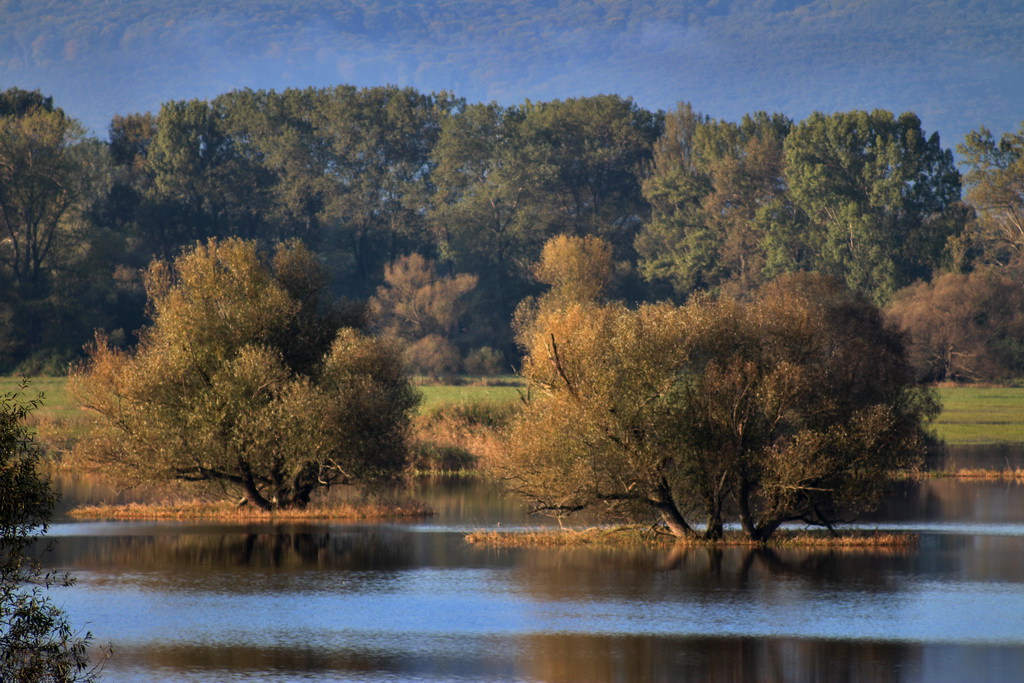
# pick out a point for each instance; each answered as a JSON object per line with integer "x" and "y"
{"x": 958, "y": 63}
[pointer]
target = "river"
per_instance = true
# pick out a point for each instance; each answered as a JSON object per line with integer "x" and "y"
{"x": 411, "y": 601}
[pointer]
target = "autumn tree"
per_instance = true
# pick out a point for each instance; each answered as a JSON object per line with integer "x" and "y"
{"x": 418, "y": 305}
{"x": 995, "y": 188}
{"x": 246, "y": 380}
{"x": 37, "y": 643}
{"x": 963, "y": 327}
{"x": 576, "y": 268}
{"x": 795, "y": 406}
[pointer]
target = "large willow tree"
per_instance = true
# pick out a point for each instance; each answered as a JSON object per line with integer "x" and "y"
{"x": 246, "y": 379}
{"x": 795, "y": 406}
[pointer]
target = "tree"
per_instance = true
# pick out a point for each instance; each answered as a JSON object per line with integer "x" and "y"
{"x": 794, "y": 406}
{"x": 42, "y": 182}
{"x": 488, "y": 215}
{"x": 36, "y": 641}
{"x": 423, "y": 308}
{"x": 378, "y": 143}
{"x": 995, "y": 188}
{"x": 416, "y": 301}
{"x": 598, "y": 148}
{"x": 963, "y": 327}
{"x": 49, "y": 174}
{"x": 717, "y": 192}
{"x": 880, "y": 194}
{"x": 576, "y": 268}
{"x": 246, "y": 380}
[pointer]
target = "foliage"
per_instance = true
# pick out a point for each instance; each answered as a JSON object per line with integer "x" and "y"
{"x": 416, "y": 301}
{"x": 423, "y": 309}
{"x": 484, "y": 362}
{"x": 995, "y": 188}
{"x": 244, "y": 380}
{"x": 36, "y": 640}
{"x": 719, "y": 201}
{"x": 880, "y": 195}
{"x": 576, "y": 268}
{"x": 795, "y": 406}
{"x": 49, "y": 172}
{"x": 433, "y": 356}
{"x": 369, "y": 176}
{"x": 963, "y": 328}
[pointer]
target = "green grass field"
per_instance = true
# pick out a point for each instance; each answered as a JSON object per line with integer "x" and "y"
{"x": 970, "y": 415}
{"x": 57, "y": 402}
{"x": 437, "y": 394}
{"x": 981, "y": 415}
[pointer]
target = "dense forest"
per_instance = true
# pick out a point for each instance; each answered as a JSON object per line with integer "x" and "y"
{"x": 430, "y": 213}
{"x": 953, "y": 63}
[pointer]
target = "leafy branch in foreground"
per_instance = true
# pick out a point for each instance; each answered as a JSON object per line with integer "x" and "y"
{"x": 37, "y": 643}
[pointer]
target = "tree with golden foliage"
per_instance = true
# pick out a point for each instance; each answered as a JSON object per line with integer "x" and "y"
{"x": 796, "y": 406}
{"x": 246, "y": 380}
{"x": 963, "y": 327}
{"x": 421, "y": 307}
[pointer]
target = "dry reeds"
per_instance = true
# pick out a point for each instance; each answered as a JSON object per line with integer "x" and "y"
{"x": 635, "y": 536}
{"x": 229, "y": 511}
{"x": 979, "y": 473}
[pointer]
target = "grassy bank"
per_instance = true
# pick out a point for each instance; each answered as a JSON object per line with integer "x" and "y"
{"x": 970, "y": 415}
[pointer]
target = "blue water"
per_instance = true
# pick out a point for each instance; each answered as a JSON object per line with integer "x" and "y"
{"x": 394, "y": 602}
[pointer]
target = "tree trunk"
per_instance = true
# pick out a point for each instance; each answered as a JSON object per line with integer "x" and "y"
{"x": 666, "y": 507}
{"x": 252, "y": 494}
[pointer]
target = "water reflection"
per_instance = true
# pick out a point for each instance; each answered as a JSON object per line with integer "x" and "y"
{"x": 997, "y": 456}
{"x": 393, "y": 601}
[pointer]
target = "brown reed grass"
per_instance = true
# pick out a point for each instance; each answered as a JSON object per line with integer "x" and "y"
{"x": 229, "y": 511}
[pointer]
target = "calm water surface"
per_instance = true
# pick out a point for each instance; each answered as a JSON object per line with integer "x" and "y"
{"x": 413, "y": 602}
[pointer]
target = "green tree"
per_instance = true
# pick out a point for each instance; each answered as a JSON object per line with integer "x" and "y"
{"x": 487, "y": 215}
{"x": 49, "y": 175}
{"x": 207, "y": 180}
{"x": 598, "y": 148}
{"x": 880, "y": 194}
{"x": 795, "y": 406}
{"x": 245, "y": 381}
{"x": 380, "y": 168}
{"x": 43, "y": 182}
{"x": 995, "y": 188}
{"x": 717, "y": 194}
{"x": 37, "y": 642}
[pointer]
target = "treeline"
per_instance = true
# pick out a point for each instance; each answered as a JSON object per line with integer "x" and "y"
{"x": 430, "y": 212}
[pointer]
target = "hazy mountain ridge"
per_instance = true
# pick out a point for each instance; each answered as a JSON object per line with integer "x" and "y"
{"x": 959, "y": 65}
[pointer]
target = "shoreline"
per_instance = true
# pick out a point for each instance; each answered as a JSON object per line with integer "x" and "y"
{"x": 625, "y": 537}
{"x": 229, "y": 511}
